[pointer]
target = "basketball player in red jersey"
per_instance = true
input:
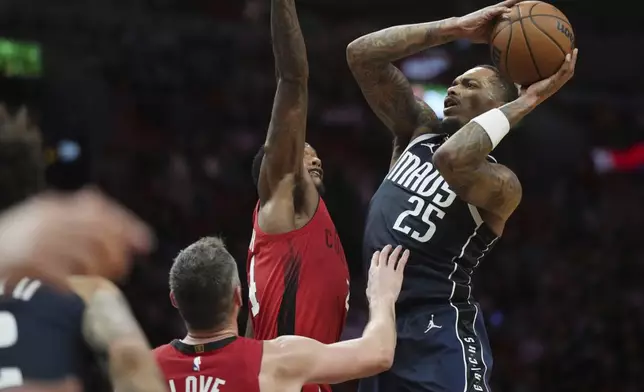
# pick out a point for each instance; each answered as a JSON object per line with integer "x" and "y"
{"x": 205, "y": 287}
{"x": 297, "y": 272}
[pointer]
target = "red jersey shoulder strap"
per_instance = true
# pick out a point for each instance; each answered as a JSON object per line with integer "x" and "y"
{"x": 320, "y": 212}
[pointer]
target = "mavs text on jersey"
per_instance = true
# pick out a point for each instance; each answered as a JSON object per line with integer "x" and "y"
{"x": 442, "y": 342}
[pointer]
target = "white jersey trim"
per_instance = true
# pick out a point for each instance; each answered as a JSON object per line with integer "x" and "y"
{"x": 419, "y": 139}
{"x": 476, "y": 315}
{"x": 411, "y": 144}
{"x": 469, "y": 297}
{"x": 476, "y": 215}
{"x": 451, "y": 297}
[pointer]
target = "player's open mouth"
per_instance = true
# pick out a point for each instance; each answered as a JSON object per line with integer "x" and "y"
{"x": 316, "y": 172}
{"x": 449, "y": 102}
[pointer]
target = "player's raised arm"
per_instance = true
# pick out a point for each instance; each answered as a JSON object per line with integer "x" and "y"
{"x": 110, "y": 328}
{"x": 462, "y": 162}
{"x": 300, "y": 360}
{"x": 284, "y": 146}
{"x": 384, "y": 86}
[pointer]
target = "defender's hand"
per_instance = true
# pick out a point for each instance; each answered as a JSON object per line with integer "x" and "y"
{"x": 478, "y": 25}
{"x": 386, "y": 274}
{"x": 53, "y": 236}
{"x": 544, "y": 89}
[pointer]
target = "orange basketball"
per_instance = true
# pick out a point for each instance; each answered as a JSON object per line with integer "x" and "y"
{"x": 531, "y": 43}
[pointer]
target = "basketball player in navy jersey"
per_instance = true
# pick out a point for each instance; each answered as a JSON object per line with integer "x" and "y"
{"x": 444, "y": 198}
{"x": 48, "y": 336}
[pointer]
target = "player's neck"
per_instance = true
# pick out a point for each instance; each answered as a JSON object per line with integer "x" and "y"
{"x": 201, "y": 337}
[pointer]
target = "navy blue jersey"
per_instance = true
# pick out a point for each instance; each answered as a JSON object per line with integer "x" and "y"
{"x": 415, "y": 207}
{"x": 41, "y": 335}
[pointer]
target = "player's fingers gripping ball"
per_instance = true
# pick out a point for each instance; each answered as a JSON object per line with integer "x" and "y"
{"x": 530, "y": 43}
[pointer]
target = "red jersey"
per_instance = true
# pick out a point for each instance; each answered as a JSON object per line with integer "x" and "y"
{"x": 228, "y": 365}
{"x": 299, "y": 282}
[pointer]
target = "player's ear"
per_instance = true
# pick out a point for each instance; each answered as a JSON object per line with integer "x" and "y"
{"x": 237, "y": 297}
{"x": 173, "y": 300}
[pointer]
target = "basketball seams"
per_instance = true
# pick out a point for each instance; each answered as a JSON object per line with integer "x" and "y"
{"x": 527, "y": 42}
{"x": 549, "y": 37}
{"x": 504, "y": 27}
{"x": 563, "y": 51}
{"x": 545, "y": 20}
{"x": 512, "y": 21}
{"x": 566, "y": 21}
{"x": 553, "y": 9}
{"x": 507, "y": 52}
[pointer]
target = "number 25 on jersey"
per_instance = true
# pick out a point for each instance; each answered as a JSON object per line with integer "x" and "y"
{"x": 428, "y": 211}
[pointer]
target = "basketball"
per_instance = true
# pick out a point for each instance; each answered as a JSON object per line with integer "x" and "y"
{"x": 531, "y": 43}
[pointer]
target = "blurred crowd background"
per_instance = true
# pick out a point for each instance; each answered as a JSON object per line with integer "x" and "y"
{"x": 163, "y": 103}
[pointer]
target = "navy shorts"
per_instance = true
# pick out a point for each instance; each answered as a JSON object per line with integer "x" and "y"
{"x": 439, "y": 349}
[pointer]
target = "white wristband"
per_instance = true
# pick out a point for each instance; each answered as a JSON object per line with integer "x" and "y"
{"x": 495, "y": 124}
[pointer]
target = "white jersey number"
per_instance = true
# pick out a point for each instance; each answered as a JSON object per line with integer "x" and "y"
{"x": 346, "y": 302}
{"x": 9, "y": 376}
{"x": 252, "y": 286}
{"x": 252, "y": 289}
{"x": 425, "y": 211}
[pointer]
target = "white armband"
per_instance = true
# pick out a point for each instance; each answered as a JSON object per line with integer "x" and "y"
{"x": 495, "y": 124}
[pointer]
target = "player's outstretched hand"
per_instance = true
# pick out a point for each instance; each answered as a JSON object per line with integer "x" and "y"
{"x": 544, "y": 89}
{"x": 53, "y": 236}
{"x": 386, "y": 274}
{"x": 478, "y": 24}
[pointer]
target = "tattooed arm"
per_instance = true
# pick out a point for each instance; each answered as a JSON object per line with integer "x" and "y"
{"x": 462, "y": 161}
{"x": 284, "y": 146}
{"x": 384, "y": 86}
{"x": 110, "y": 328}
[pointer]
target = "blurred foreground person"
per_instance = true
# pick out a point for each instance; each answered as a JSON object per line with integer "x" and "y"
{"x": 204, "y": 286}
{"x": 52, "y": 236}
{"x": 54, "y": 331}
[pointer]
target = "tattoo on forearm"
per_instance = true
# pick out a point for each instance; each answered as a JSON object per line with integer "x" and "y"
{"x": 110, "y": 328}
{"x": 287, "y": 129}
{"x": 384, "y": 86}
{"x": 514, "y": 111}
{"x": 470, "y": 146}
{"x": 397, "y": 42}
{"x": 462, "y": 161}
{"x": 463, "y": 164}
{"x": 289, "y": 48}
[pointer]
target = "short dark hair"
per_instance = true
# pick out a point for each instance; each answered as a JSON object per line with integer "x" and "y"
{"x": 22, "y": 166}
{"x": 203, "y": 279}
{"x": 507, "y": 89}
{"x": 257, "y": 164}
